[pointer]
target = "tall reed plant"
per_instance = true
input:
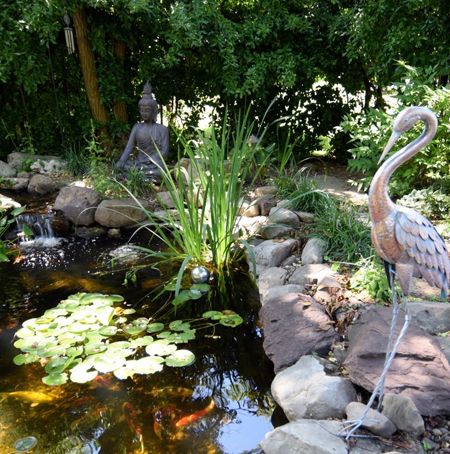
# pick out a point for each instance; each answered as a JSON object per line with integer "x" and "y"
{"x": 207, "y": 196}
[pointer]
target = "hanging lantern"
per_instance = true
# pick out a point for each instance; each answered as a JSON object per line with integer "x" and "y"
{"x": 68, "y": 33}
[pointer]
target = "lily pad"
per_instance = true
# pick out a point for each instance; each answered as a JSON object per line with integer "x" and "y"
{"x": 179, "y": 325}
{"x": 146, "y": 365}
{"x": 80, "y": 374}
{"x": 55, "y": 379}
{"x": 134, "y": 330}
{"x": 56, "y": 365}
{"x": 27, "y": 358}
{"x": 180, "y": 358}
{"x": 160, "y": 347}
{"x": 24, "y": 332}
{"x": 141, "y": 341}
{"x": 231, "y": 320}
{"x": 212, "y": 315}
{"x": 107, "y": 364}
{"x": 123, "y": 373}
{"x": 128, "y": 311}
{"x": 94, "y": 347}
{"x": 108, "y": 330}
{"x": 155, "y": 327}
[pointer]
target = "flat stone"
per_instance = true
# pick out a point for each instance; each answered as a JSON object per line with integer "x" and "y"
{"x": 305, "y": 217}
{"x": 14, "y": 183}
{"x": 250, "y": 209}
{"x": 279, "y": 291}
{"x": 272, "y": 252}
{"x": 272, "y": 231}
{"x": 305, "y": 436}
{"x": 420, "y": 370}
{"x": 403, "y": 413}
{"x": 41, "y": 184}
{"x": 432, "y": 317}
{"x": 6, "y": 170}
{"x": 117, "y": 213}
{"x": 310, "y": 274}
{"x": 283, "y": 216}
{"x": 374, "y": 421}
{"x": 164, "y": 198}
{"x": 250, "y": 225}
{"x": 304, "y": 390}
{"x": 262, "y": 191}
{"x": 295, "y": 325}
{"x": 7, "y": 202}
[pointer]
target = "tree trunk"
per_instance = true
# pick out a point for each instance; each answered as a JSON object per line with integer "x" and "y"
{"x": 87, "y": 63}
{"x": 120, "y": 109}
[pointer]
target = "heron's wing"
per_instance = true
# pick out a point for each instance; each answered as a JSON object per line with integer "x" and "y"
{"x": 424, "y": 247}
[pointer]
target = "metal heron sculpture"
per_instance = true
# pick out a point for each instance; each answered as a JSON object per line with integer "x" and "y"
{"x": 407, "y": 242}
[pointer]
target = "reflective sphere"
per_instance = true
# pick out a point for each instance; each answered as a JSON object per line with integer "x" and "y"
{"x": 199, "y": 275}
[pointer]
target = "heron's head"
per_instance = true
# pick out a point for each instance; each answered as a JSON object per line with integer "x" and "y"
{"x": 404, "y": 121}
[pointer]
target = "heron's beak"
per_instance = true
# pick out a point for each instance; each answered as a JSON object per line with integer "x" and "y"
{"x": 394, "y": 137}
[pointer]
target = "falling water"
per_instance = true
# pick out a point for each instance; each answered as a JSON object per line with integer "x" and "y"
{"x": 41, "y": 227}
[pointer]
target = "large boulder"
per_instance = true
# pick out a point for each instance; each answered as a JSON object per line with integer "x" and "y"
{"x": 78, "y": 204}
{"x": 304, "y": 390}
{"x": 41, "y": 184}
{"x": 294, "y": 325}
{"x": 420, "y": 370}
{"x": 116, "y": 213}
{"x": 6, "y": 170}
{"x": 42, "y": 163}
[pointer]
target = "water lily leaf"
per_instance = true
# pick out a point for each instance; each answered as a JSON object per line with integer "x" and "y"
{"x": 55, "y": 379}
{"x": 104, "y": 315}
{"x": 68, "y": 338}
{"x": 30, "y": 344}
{"x": 120, "y": 352}
{"x": 146, "y": 365}
{"x": 108, "y": 330}
{"x": 93, "y": 348}
{"x": 231, "y": 320}
{"x": 95, "y": 336}
{"x": 195, "y": 293}
{"x": 24, "y": 332}
{"x": 56, "y": 365}
{"x": 141, "y": 341}
{"x": 70, "y": 306}
{"x": 179, "y": 325}
{"x": 134, "y": 330}
{"x": 105, "y": 364}
{"x": 54, "y": 313}
{"x": 128, "y": 311}
{"x": 119, "y": 345}
{"x": 203, "y": 288}
{"x": 27, "y": 358}
{"x": 183, "y": 296}
{"x": 180, "y": 358}
{"x": 30, "y": 323}
{"x": 80, "y": 374}
{"x": 77, "y": 327}
{"x": 123, "y": 373}
{"x": 213, "y": 315}
{"x": 160, "y": 347}
{"x": 89, "y": 298}
{"x": 120, "y": 320}
{"x": 155, "y": 327}
{"x": 48, "y": 350}
{"x": 164, "y": 334}
{"x": 73, "y": 352}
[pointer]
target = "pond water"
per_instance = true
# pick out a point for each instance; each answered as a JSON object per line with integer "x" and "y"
{"x": 219, "y": 404}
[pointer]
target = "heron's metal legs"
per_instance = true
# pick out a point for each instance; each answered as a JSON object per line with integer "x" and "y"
{"x": 391, "y": 350}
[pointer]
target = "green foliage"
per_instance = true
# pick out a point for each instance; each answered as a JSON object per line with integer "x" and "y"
{"x": 7, "y": 218}
{"x": 432, "y": 204}
{"x": 347, "y": 235}
{"x": 88, "y": 333}
{"x": 302, "y": 192}
{"x": 370, "y": 277}
{"x": 370, "y": 131}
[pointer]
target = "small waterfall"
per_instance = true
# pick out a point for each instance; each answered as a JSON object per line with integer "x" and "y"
{"x": 36, "y": 230}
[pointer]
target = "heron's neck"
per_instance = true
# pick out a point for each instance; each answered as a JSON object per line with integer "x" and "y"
{"x": 380, "y": 204}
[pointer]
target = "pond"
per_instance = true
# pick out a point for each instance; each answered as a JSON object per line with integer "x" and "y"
{"x": 219, "y": 404}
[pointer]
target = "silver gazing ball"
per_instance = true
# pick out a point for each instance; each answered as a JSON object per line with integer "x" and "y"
{"x": 199, "y": 275}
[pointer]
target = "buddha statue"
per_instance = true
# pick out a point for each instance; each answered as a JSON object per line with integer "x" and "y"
{"x": 150, "y": 139}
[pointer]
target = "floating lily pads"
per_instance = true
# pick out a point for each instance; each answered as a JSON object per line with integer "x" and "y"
{"x": 56, "y": 365}
{"x": 160, "y": 347}
{"x": 212, "y": 315}
{"x": 179, "y": 325}
{"x": 145, "y": 365}
{"x": 55, "y": 379}
{"x": 180, "y": 358}
{"x": 231, "y": 319}
{"x": 155, "y": 327}
{"x": 81, "y": 374}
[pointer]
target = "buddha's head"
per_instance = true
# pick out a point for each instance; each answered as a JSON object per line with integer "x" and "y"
{"x": 148, "y": 107}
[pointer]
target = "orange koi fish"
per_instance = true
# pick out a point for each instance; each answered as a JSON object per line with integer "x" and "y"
{"x": 189, "y": 419}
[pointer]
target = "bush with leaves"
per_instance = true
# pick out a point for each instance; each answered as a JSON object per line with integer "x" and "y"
{"x": 370, "y": 131}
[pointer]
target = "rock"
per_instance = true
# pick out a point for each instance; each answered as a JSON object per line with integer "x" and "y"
{"x": 419, "y": 371}
{"x": 7, "y": 202}
{"x": 305, "y": 436}
{"x": 265, "y": 191}
{"x": 310, "y": 274}
{"x": 16, "y": 159}
{"x": 250, "y": 226}
{"x": 6, "y": 170}
{"x": 270, "y": 277}
{"x": 48, "y": 165}
{"x": 294, "y": 325}
{"x": 164, "y": 198}
{"x": 266, "y": 204}
{"x": 126, "y": 255}
{"x": 272, "y": 231}
{"x": 120, "y": 213}
{"x": 403, "y": 413}
{"x": 285, "y": 217}
{"x": 272, "y": 252}
{"x": 90, "y": 232}
{"x": 78, "y": 204}
{"x": 305, "y": 391}
{"x": 374, "y": 421}
{"x": 377, "y": 446}
{"x": 313, "y": 251}
{"x": 278, "y": 292}
{"x": 14, "y": 184}
{"x": 432, "y": 317}
{"x": 41, "y": 184}
{"x": 307, "y": 218}
{"x": 250, "y": 209}
{"x": 114, "y": 233}
{"x": 27, "y": 175}
{"x": 444, "y": 343}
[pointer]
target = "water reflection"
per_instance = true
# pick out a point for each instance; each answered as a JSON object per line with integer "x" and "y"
{"x": 219, "y": 404}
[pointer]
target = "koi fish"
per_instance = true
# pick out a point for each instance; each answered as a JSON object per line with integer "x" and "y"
{"x": 189, "y": 419}
{"x": 171, "y": 391}
{"x": 131, "y": 418}
{"x": 34, "y": 397}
